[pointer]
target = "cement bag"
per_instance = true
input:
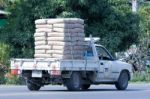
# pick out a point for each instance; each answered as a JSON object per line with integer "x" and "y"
{"x": 43, "y": 47}
{"x": 39, "y": 34}
{"x": 40, "y": 38}
{"x": 57, "y": 52}
{"x": 42, "y": 42}
{"x": 61, "y": 43}
{"x": 54, "y": 47}
{"x": 78, "y": 47}
{"x": 65, "y": 39}
{"x": 41, "y": 21}
{"x": 67, "y": 47}
{"x": 68, "y": 26}
{"x": 67, "y": 56}
{"x": 43, "y": 30}
{"x": 65, "y": 20}
{"x": 44, "y": 26}
{"x": 59, "y": 34}
{"x": 62, "y": 30}
{"x": 40, "y": 51}
{"x": 42, "y": 56}
{"x": 78, "y": 43}
{"x": 65, "y": 52}
{"x": 62, "y": 56}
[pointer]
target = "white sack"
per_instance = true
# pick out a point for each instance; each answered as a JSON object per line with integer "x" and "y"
{"x": 42, "y": 42}
{"x": 65, "y": 39}
{"x": 44, "y": 26}
{"x": 65, "y": 52}
{"x": 61, "y": 43}
{"x": 75, "y": 30}
{"x": 40, "y": 38}
{"x": 68, "y": 26}
{"x": 67, "y": 47}
{"x": 62, "y": 34}
{"x": 39, "y": 34}
{"x": 40, "y": 51}
{"x": 43, "y": 30}
{"x": 42, "y": 56}
{"x": 43, "y": 47}
{"x": 41, "y": 21}
{"x": 65, "y": 20}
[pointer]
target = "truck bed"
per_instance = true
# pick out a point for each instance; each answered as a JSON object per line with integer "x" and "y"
{"x": 50, "y": 64}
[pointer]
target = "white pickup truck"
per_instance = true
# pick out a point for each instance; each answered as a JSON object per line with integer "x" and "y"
{"x": 98, "y": 67}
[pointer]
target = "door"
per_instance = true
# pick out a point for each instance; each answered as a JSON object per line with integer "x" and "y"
{"x": 105, "y": 64}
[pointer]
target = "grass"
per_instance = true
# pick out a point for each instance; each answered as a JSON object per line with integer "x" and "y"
{"x": 143, "y": 76}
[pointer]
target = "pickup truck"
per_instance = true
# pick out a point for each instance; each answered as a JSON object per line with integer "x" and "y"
{"x": 97, "y": 67}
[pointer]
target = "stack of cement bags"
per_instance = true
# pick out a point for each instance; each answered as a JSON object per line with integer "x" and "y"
{"x": 59, "y": 38}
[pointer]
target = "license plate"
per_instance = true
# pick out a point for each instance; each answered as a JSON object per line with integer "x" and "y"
{"x": 36, "y": 73}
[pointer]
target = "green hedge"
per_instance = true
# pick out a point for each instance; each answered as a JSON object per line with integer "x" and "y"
{"x": 2, "y": 22}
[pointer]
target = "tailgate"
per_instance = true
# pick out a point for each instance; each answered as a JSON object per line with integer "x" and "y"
{"x": 34, "y": 64}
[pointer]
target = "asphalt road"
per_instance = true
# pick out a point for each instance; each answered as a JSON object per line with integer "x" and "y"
{"x": 134, "y": 91}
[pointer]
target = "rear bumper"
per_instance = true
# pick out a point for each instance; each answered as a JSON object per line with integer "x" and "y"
{"x": 46, "y": 77}
{"x": 48, "y": 74}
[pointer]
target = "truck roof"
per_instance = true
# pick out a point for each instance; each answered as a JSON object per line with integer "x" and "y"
{"x": 95, "y": 39}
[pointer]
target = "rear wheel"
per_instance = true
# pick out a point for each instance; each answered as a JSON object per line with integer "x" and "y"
{"x": 85, "y": 86}
{"x": 122, "y": 82}
{"x": 74, "y": 82}
{"x": 34, "y": 84}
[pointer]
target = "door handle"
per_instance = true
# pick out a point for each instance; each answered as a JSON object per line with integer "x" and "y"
{"x": 106, "y": 69}
{"x": 102, "y": 63}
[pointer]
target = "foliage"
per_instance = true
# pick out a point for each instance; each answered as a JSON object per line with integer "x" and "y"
{"x": 110, "y": 20}
{"x": 145, "y": 21}
{"x": 20, "y": 29}
{"x": 142, "y": 76}
{"x": 16, "y": 80}
{"x": 4, "y": 61}
{"x": 4, "y": 53}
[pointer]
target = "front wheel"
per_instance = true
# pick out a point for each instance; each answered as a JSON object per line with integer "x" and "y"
{"x": 34, "y": 84}
{"x": 122, "y": 82}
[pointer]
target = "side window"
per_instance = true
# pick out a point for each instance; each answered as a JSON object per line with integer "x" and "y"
{"x": 102, "y": 53}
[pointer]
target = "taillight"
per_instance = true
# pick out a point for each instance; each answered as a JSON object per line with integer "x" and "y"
{"x": 54, "y": 71}
{"x": 15, "y": 71}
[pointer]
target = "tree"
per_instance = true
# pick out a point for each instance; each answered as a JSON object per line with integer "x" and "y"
{"x": 20, "y": 28}
{"x": 110, "y": 20}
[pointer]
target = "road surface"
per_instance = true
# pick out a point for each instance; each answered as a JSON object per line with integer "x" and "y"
{"x": 134, "y": 91}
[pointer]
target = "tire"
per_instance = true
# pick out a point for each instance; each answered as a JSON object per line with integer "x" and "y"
{"x": 122, "y": 82}
{"x": 85, "y": 86}
{"x": 74, "y": 82}
{"x": 34, "y": 84}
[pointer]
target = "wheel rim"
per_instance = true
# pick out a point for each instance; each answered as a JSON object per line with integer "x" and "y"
{"x": 76, "y": 80}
